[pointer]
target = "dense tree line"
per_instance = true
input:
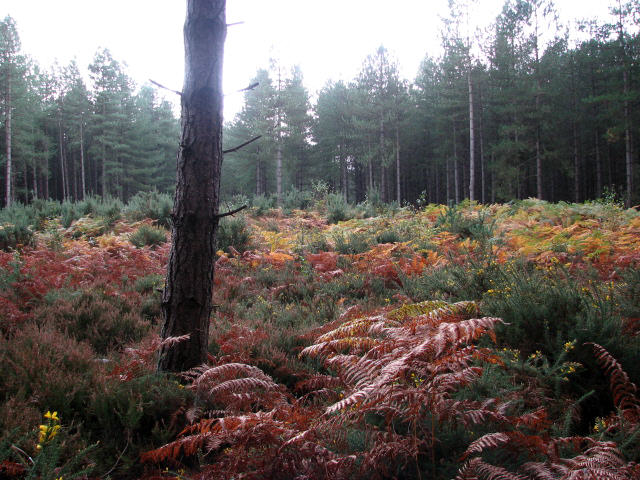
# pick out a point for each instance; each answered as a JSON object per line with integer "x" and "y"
{"x": 524, "y": 112}
{"x": 64, "y": 140}
{"x": 520, "y": 110}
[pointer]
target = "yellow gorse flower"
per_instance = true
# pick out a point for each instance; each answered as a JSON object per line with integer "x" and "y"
{"x": 52, "y": 416}
{"x": 48, "y": 432}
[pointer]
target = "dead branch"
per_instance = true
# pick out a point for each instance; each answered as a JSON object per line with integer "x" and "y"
{"x": 166, "y": 88}
{"x": 232, "y": 212}
{"x": 235, "y": 149}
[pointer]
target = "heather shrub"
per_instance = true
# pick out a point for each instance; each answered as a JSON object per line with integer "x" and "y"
{"x": 133, "y": 416}
{"x": 148, "y": 236}
{"x": 102, "y": 321}
{"x": 233, "y": 232}
{"x": 150, "y": 287}
{"x": 46, "y": 369}
{"x": 149, "y": 284}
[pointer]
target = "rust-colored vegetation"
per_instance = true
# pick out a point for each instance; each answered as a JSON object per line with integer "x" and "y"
{"x": 477, "y": 342}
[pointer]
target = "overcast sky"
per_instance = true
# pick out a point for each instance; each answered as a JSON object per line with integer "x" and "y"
{"x": 329, "y": 39}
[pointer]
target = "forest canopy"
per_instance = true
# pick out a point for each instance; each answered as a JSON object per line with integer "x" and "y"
{"x": 522, "y": 111}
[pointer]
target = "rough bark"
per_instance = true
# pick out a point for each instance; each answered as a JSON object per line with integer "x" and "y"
{"x": 186, "y": 302}
{"x": 598, "y": 165}
{"x": 279, "y": 171}
{"x": 398, "y": 191}
{"x": 62, "y": 161}
{"x": 82, "y": 172}
{"x": 383, "y": 182}
{"x": 576, "y": 165}
{"x": 456, "y": 179}
{"x": 7, "y": 137}
{"x": 472, "y": 143}
{"x": 627, "y": 141}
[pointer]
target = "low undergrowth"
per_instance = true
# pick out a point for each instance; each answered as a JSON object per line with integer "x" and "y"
{"x": 473, "y": 342}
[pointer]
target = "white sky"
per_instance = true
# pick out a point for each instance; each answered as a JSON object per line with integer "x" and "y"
{"x": 329, "y": 39}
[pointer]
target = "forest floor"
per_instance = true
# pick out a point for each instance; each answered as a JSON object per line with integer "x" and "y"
{"x": 481, "y": 341}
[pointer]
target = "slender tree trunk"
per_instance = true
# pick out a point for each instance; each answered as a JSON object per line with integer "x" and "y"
{"x": 493, "y": 183}
{"x": 576, "y": 165}
{"x": 483, "y": 187}
{"x": 627, "y": 141}
{"x": 343, "y": 173}
{"x": 472, "y": 143}
{"x": 398, "y": 191}
{"x": 104, "y": 158}
{"x": 448, "y": 182}
{"x": 279, "y": 172}
{"x": 258, "y": 179}
{"x": 383, "y": 183}
{"x": 186, "y": 302}
{"x": 8, "y": 114}
{"x": 25, "y": 180}
{"x": 598, "y": 166}
{"x": 279, "y": 142}
{"x": 456, "y": 182}
{"x": 62, "y": 161}
{"x": 35, "y": 178}
{"x": 538, "y": 164}
{"x": 82, "y": 172}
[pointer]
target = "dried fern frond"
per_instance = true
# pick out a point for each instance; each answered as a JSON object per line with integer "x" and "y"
{"x": 477, "y": 469}
{"x": 624, "y": 391}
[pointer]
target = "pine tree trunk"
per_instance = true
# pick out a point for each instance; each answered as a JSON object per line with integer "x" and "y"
{"x": 472, "y": 143}
{"x": 627, "y": 141}
{"x": 35, "y": 178}
{"x": 383, "y": 183}
{"x": 483, "y": 187}
{"x": 343, "y": 175}
{"x": 576, "y": 165}
{"x": 7, "y": 137}
{"x": 258, "y": 179}
{"x": 456, "y": 180}
{"x": 598, "y": 166}
{"x": 82, "y": 172}
{"x": 279, "y": 172}
{"x": 398, "y": 191}
{"x": 448, "y": 182}
{"x": 62, "y": 161}
{"x": 186, "y": 302}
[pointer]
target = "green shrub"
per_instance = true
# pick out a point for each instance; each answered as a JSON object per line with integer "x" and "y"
{"x": 388, "y": 236}
{"x": 153, "y": 205}
{"x": 262, "y": 204}
{"x": 312, "y": 243}
{"x": 132, "y": 417}
{"x": 148, "y": 236}
{"x": 296, "y": 199}
{"x": 352, "y": 243}
{"x": 13, "y": 236}
{"x": 149, "y": 283}
{"x": 69, "y": 213}
{"x": 337, "y": 208}
{"x": 233, "y": 232}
